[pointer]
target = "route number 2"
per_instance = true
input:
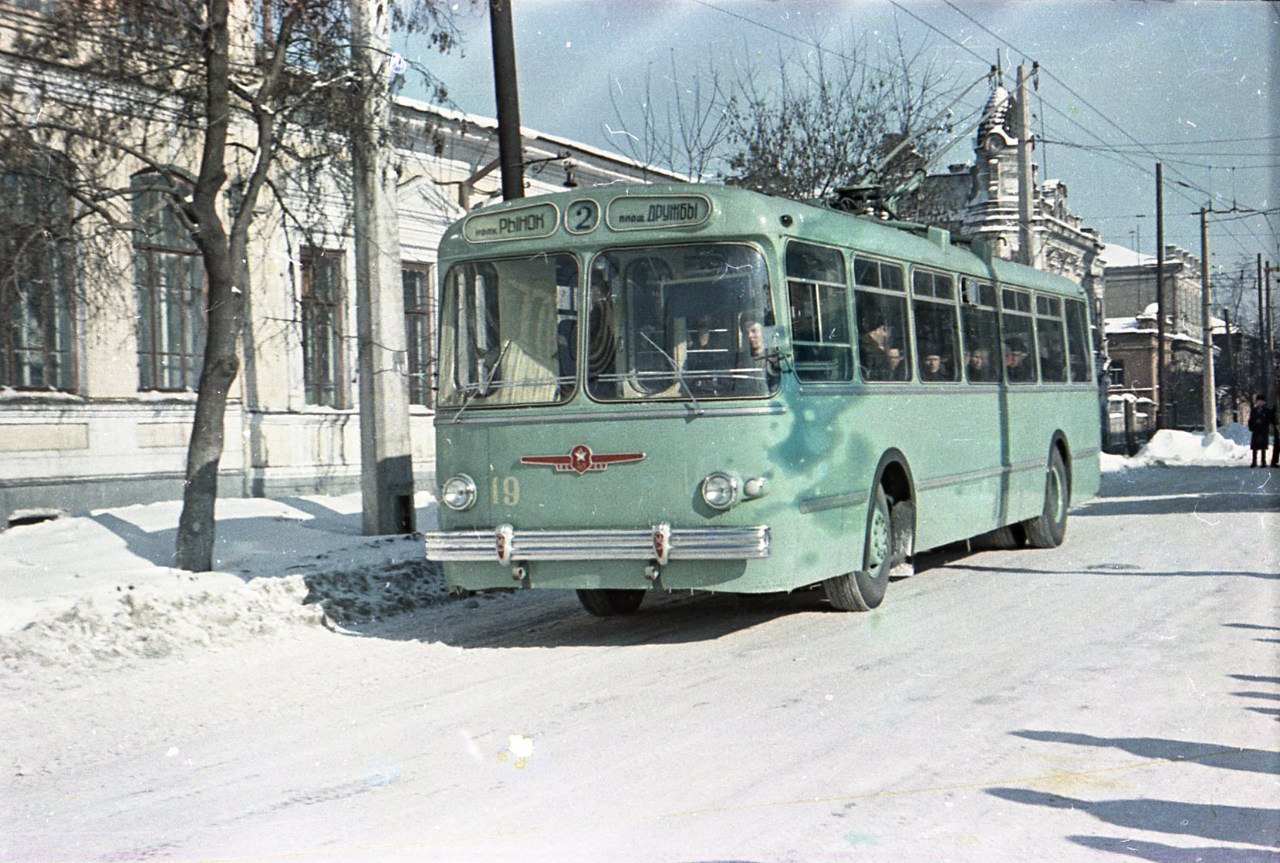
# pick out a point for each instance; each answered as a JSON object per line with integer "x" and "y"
{"x": 582, "y": 217}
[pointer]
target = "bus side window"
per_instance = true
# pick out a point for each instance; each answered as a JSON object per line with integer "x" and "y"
{"x": 1078, "y": 347}
{"x": 883, "y": 335}
{"x": 1018, "y": 334}
{"x": 1053, "y": 352}
{"x": 819, "y": 305}
{"x": 937, "y": 344}
{"x": 981, "y": 333}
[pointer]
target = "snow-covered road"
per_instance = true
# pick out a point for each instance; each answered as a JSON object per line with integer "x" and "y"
{"x": 1115, "y": 698}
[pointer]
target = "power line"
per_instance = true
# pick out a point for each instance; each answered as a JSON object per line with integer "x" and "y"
{"x": 1049, "y": 73}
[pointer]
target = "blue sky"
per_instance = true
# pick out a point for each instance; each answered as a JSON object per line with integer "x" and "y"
{"x": 1125, "y": 83}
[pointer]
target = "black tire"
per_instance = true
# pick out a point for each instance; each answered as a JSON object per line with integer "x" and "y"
{"x": 1048, "y": 529}
{"x": 609, "y": 603}
{"x": 863, "y": 589}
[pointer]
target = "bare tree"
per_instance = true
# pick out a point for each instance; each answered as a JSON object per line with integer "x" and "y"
{"x": 682, "y": 126}
{"x": 805, "y": 126}
{"x": 221, "y": 107}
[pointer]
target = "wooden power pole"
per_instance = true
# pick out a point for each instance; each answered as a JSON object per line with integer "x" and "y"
{"x": 1210, "y": 400}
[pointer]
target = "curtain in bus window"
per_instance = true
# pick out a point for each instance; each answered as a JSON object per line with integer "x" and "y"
{"x": 676, "y": 322}
{"x": 501, "y": 332}
{"x": 937, "y": 342}
{"x": 1052, "y": 349}
{"x": 1078, "y": 345}
{"x": 1018, "y": 332}
{"x": 819, "y": 303}
{"x": 881, "y": 308}
{"x": 980, "y": 328}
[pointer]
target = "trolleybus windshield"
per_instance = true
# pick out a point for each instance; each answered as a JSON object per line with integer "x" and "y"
{"x": 679, "y": 322}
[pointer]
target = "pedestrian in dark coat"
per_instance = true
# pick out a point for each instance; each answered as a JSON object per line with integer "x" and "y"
{"x": 1261, "y": 419}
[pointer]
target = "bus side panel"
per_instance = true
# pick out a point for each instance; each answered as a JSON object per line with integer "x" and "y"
{"x": 952, "y": 457}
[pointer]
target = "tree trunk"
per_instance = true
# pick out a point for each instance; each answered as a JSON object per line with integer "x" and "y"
{"x": 227, "y": 273}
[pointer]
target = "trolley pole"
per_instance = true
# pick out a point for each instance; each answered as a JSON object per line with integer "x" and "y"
{"x": 1210, "y": 400}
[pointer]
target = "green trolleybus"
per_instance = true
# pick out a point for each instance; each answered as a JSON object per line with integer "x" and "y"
{"x": 703, "y": 388}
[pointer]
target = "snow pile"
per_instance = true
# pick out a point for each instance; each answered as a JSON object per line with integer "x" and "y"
{"x": 152, "y": 621}
{"x": 1187, "y": 448}
{"x": 96, "y": 591}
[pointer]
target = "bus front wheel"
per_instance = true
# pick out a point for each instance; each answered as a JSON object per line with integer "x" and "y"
{"x": 608, "y": 603}
{"x": 863, "y": 589}
{"x": 1048, "y": 528}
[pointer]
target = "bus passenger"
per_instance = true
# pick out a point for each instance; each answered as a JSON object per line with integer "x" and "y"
{"x": 762, "y": 365}
{"x": 978, "y": 366}
{"x": 1052, "y": 367}
{"x": 1016, "y": 367}
{"x": 931, "y": 366}
{"x": 872, "y": 356}
{"x": 897, "y": 369}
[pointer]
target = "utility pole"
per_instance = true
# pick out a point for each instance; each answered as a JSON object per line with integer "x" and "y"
{"x": 510, "y": 143}
{"x": 1269, "y": 348}
{"x": 1210, "y": 399}
{"x": 1162, "y": 407}
{"x": 1026, "y": 188}
{"x": 1232, "y": 372}
{"x": 386, "y": 454}
{"x": 1257, "y": 367}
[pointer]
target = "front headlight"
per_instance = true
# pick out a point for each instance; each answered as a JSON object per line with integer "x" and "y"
{"x": 719, "y": 490}
{"x": 458, "y": 493}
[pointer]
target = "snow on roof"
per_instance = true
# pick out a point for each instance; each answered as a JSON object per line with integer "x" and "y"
{"x": 1119, "y": 256}
{"x": 491, "y": 123}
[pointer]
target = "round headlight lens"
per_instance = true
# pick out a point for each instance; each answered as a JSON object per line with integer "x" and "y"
{"x": 719, "y": 490}
{"x": 459, "y": 492}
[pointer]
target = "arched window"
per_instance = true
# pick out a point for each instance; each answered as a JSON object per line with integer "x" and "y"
{"x": 37, "y": 272}
{"x": 168, "y": 276}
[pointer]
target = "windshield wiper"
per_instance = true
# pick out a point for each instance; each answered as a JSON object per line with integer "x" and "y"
{"x": 675, "y": 367}
{"x": 488, "y": 381}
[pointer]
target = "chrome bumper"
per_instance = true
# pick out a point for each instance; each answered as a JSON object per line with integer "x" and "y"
{"x": 661, "y": 543}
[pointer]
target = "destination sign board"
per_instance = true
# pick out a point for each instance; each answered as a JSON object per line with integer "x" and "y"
{"x": 650, "y": 212}
{"x": 520, "y": 223}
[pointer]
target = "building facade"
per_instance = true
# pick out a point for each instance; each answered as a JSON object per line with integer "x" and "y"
{"x": 1132, "y": 331}
{"x": 98, "y": 368}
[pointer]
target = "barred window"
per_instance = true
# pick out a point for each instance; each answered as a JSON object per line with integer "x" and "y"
{"x": 419, "y": 311}
{"x": 321, "y": 302}
{"x": 170, "y": 286}
{"x": 37, "y": 272}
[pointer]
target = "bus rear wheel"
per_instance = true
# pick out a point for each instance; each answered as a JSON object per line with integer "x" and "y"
{"x": 863, "y": 589}
{"x": 609, "y": 603}
{"x": 1048, "y": 528}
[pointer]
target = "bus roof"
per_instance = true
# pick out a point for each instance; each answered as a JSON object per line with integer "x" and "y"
{"x": 645, "y": 214}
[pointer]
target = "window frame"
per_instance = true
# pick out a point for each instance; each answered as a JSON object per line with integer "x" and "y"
{"x": 48, "y": 235}
{"x": 933, "y": 300}
{"x": 321, "y": 378}
{"x": 901, "y": 293}
{"x": 419, "y": 318}
{"x": 819, "y": 292}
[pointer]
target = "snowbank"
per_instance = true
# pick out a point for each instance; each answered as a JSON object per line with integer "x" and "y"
{"x": 1167, "y": 447}
{"x": 97, "y": 591}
